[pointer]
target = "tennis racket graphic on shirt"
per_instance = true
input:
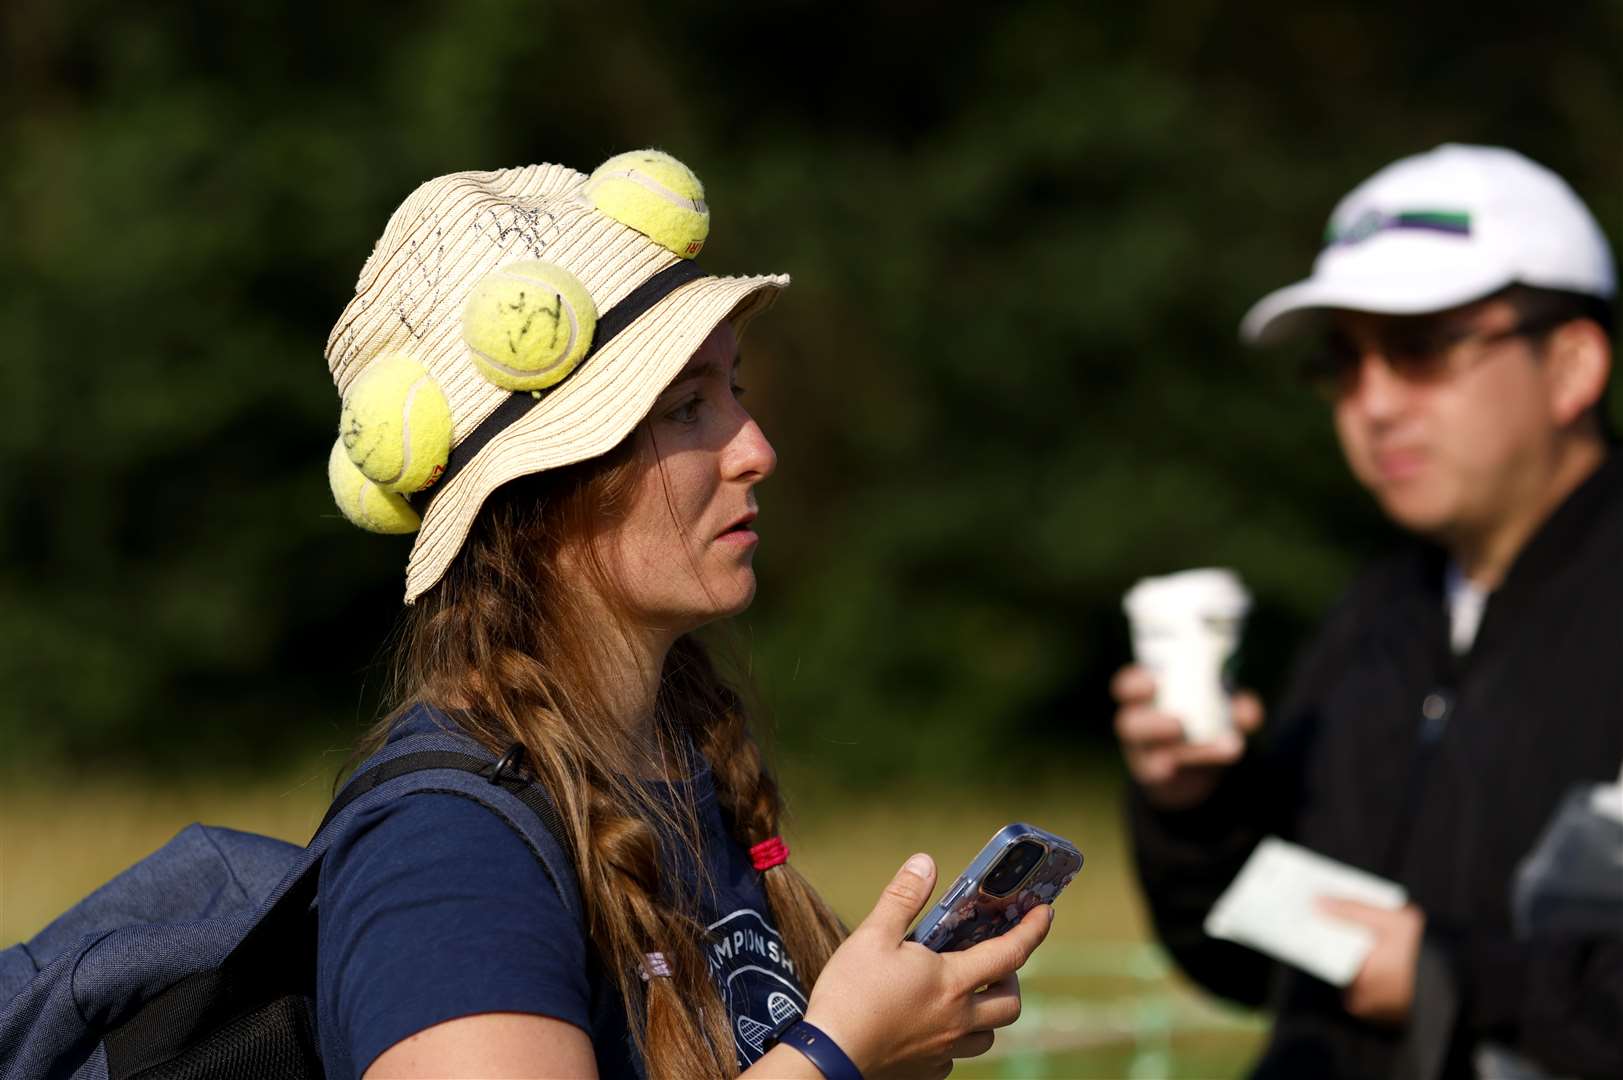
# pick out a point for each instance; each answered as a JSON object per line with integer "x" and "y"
{"x": 780, "y": 1007}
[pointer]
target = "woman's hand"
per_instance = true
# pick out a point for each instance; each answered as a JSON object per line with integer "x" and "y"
{"x": 899, "y": 1010}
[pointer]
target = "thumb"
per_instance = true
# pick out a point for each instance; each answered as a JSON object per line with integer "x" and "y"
{"x": 1247, "y": 712}
{"x": 1349, "y": 910}
{"x": 902, "y": 899}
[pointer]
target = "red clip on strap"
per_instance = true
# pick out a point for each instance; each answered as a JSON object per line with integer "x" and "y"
{"x": 769, "y": 853}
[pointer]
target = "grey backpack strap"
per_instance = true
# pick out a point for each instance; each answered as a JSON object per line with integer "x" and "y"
{"x": 420, "y": 757}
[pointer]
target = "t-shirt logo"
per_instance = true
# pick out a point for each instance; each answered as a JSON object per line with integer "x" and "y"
{"x": 756, "y": 978}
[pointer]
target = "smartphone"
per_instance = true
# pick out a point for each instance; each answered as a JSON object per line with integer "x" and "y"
{"x": 1019, "y": 868}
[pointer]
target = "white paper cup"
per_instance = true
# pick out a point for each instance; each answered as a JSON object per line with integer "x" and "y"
{"x": 1185, "y": 628}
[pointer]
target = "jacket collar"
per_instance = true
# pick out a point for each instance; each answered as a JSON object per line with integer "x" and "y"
{"x": 1565, "y": 543}
{"x": 1571, "y": 529}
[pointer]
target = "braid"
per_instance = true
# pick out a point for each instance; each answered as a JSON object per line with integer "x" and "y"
{"x": 748, "y": 791}
{"x": 685, "y": 1021}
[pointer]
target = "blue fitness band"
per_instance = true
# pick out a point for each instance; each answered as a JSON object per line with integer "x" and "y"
{"x": 821, "y": 1050}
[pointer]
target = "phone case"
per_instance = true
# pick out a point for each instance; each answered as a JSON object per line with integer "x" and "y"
{"x": 965, "y": 914}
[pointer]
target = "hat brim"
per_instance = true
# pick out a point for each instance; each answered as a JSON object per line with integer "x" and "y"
{"x": 589, "y": 413}
{"x": 1296, "y": 309}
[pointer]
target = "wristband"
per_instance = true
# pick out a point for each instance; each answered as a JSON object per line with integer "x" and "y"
{"x": 820, "y": 1050}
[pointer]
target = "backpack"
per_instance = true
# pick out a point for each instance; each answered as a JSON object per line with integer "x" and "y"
{"x": 199, "y": 960}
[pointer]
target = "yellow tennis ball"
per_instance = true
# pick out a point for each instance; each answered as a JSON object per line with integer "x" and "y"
{"x": 528, "y": 324}
{"x": 363, "y": 502}
{"x": 652, "y": 192}
{"x": 396, "y": 425}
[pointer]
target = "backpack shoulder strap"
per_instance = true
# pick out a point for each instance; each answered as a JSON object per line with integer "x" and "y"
{"x": 275, "y": 953}
{"x": 417, "y": 760}
{"x": 439, "y": 762}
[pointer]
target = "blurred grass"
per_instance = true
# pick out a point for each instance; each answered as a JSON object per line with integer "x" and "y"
{"x": 1098, "y": 1002}
{"x": 62, "y": 836}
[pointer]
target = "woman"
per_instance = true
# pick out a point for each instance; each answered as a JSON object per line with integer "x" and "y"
{"x": 591, "y": 510}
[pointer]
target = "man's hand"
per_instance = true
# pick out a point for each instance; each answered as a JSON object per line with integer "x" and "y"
{"x": 1383, "y": 990}
{"x": 1174, "y": 774}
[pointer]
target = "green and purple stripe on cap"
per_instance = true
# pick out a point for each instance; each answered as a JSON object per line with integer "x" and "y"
{"x": 1371, "y": 222}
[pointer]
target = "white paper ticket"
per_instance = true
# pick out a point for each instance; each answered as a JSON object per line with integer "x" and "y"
{"x": 1272, "y": 906}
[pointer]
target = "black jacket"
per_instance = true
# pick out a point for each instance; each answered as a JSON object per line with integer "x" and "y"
{"x": 1349, "y": 766}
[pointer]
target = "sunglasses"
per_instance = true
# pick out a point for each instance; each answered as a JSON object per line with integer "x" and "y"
{"x": 1419, "y": 354}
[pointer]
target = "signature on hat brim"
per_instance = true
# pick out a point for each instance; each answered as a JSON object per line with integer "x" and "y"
{"x": 1297, "y": 309}
{"x": 586, "y": 416}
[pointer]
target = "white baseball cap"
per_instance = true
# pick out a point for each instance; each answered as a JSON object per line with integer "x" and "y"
{"x": 1441, "y": 229}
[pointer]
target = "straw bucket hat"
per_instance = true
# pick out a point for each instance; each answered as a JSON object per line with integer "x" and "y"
{"x": 653, "y": 308}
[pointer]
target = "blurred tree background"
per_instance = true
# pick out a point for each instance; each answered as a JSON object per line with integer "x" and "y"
{"x": 1005, "y": 384}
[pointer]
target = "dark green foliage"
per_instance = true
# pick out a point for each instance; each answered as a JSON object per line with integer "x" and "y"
{"x": 1005, "y": 384}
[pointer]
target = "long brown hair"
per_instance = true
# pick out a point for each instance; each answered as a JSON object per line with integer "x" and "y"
{"x": 505, "y": 644}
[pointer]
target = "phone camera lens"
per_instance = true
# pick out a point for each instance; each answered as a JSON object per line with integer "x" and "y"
{"x": 1013, "y": 867}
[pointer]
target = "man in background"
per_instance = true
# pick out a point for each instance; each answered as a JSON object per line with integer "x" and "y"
{"x": 1463, "y": 304}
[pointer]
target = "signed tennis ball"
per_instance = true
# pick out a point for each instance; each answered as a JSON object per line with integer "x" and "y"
{"x": 652, "y": 192}
{"x": 528, "y": 324}
{"x": 396, "y": 424}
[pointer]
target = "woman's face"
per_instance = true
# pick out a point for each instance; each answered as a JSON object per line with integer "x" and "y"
{"x": 684, "y": 550}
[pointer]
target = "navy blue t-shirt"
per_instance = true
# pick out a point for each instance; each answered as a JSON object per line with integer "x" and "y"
{"x": 432, "y": 908}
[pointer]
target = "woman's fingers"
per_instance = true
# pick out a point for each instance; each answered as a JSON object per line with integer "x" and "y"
{"x": 897, "y": 1008}
{"x": 974, "y": 1044}
{"x": 990, "y": 961}
{"x": 998, "y": 1005}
